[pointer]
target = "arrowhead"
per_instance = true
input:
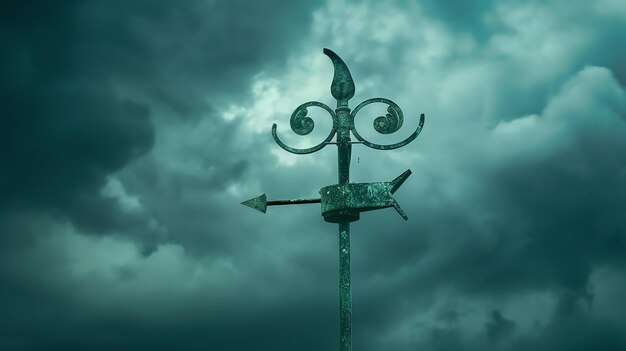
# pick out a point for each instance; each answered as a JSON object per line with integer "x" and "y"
{"x": 399, "y": 210}
{"x": 258, "y": 203}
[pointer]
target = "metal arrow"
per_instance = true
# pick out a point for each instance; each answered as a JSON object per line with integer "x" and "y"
{"x": 359, "y": 197}
{"x": 260, "y": 202}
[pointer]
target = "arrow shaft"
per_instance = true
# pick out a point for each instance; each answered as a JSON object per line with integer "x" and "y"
{"x": 293, "y": 202}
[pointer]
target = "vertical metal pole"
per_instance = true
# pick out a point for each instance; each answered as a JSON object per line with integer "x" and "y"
{"x": 342, "y": 89}
{"x": 345, "y": 289}
{"x": 344, "y": 152}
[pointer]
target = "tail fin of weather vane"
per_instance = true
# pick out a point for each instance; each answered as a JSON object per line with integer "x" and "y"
{"x": 395, "y": 184}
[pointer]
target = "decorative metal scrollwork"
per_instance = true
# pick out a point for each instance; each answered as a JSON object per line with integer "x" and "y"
{"x": 302, "y": 124}
{"x": 388, "y": 124}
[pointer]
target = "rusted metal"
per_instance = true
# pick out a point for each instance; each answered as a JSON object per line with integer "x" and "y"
{"x": 343, "y": 202}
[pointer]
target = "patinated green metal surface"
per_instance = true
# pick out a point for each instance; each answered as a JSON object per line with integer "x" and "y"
{"x": 343, "y": 202}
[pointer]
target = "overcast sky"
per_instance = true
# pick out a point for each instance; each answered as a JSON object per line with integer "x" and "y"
{"x": 131, "y": 131}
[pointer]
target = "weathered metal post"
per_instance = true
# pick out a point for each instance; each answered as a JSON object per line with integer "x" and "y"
{"x": 343, "y": 202}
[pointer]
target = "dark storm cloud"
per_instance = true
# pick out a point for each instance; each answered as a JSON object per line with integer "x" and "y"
{"x": 516, "y": 232}
{"x": 63, "y": 131}
{"x": 68, "y": 77}
{"x": 540, "y": 221}
{"x": 199, "y": 194}
{"x": 568, "y": 201}
{"x": 81, "y": 86}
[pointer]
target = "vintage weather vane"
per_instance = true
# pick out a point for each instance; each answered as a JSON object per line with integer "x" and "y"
{"x": 342, "y": 203}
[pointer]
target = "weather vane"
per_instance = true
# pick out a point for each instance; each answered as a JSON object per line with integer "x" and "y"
{"x": 343, "y": 202}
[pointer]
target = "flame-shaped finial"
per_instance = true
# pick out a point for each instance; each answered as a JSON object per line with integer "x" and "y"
{"x": 342, "y": 87}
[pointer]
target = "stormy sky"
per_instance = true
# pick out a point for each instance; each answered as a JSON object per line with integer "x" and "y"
{"x": 131, "y": 131}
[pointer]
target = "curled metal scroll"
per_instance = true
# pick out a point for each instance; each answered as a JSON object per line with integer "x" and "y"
{"x": 302, "y": 124}
{"x": 388, "y": 124}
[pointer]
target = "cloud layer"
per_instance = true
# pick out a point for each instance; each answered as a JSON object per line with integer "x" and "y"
{"x": 132, "y": 132}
